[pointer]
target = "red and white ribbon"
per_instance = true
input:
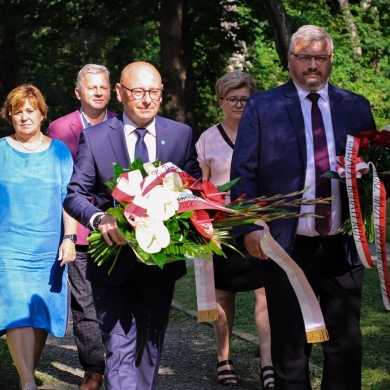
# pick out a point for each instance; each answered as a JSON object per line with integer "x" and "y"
{"x": 312, "y": 315}
{"x": 205, "y": 289}
{"x": 379, "y": 210}
{"x": 361, "y": 167}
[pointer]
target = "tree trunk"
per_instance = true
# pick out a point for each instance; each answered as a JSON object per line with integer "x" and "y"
{"x": 351, "y": 26}
{"x": 173, "y": 67}
{"x": 278, "y": 18}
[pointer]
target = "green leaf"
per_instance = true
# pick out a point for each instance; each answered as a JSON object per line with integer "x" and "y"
{"x": 117, "y": 212}
{"x": 228, "y": 186}
{"x": 142, "y": 254}
{"x": 331, "y": 175}
{"x": 159, "y": 259}
{"x": 186, "y": 214}
{"x": 118, "y": 170}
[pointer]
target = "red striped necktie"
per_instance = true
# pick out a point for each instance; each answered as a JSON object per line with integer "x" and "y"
{"x": 321, "y": 159}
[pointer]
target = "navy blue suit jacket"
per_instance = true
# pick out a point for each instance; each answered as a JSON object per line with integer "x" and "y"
{"x": 100, "y": 147}
{"x": 270, "y": 150}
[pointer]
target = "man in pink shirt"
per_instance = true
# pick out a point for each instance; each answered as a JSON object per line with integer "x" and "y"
{"x": 93, "y": 91}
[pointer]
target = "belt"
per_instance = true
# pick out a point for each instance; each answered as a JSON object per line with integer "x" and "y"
{"x": 332, "y": 237}
{"x": 82, "y": 248}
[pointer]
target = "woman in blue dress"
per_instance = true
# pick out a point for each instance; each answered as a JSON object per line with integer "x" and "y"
{"x": 36, "y": 236}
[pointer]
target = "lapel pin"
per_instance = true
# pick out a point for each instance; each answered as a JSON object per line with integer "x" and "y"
{"x": 163, "y": 142}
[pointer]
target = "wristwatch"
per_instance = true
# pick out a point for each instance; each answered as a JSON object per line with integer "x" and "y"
{"x": 71, "y": 237}
{"x": 96, "y": 221}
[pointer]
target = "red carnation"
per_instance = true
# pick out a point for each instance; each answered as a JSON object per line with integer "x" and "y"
{"x": 382, "y": 139}
{"x": 365, "y": 136}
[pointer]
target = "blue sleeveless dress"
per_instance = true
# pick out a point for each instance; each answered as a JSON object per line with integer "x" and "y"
{"x": 33, "y": 285}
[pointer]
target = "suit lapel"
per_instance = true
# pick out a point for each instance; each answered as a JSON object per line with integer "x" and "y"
{"x": 162, "y": 140}
{"x": 116, "y": 137}
{"x": 340, "y": 129}
{"x": 75, "y": 125}
{"x": 293, "y": 107}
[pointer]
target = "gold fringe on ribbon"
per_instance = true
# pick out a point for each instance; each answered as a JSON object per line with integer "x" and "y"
{"x": 207, "y": 315}
{"x": 317, "y": 336}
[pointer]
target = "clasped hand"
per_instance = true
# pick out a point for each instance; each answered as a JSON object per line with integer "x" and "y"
{"x": 67, "y": 252}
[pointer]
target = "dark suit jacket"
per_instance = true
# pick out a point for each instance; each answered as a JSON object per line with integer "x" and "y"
{"x": 68, "y": 129}
{"x": 100, "y": 147}
{"x": 270, "y": 151}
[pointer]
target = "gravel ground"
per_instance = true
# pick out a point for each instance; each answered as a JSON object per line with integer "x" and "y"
{"x": 188, "y": 360}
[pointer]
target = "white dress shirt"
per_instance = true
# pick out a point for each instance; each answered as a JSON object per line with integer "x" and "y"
{"x": 306, "y": 225}
{"x": 131, "y": 137}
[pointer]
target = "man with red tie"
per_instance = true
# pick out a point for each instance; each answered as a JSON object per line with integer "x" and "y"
{"x": 287, "y": 138}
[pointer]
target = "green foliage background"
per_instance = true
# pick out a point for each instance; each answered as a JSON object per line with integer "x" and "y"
{"x": 55, "y": 38}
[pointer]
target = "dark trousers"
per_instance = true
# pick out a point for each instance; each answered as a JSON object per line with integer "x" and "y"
{"x": 133, "y": 318}
{"x": 338, "y": 287}
{"x": 86, "y": 329}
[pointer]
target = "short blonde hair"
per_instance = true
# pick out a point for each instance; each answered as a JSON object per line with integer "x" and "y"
{"x": 234, "y": 80}
{"x": 17, "y": 98}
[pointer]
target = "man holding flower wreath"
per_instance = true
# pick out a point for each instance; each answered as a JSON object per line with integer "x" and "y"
{"x": 277, "y": 151}
{"x": 133, "y": 301}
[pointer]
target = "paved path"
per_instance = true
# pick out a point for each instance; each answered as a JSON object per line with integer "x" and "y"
{"x": 188, "y": 361}
{"x": 189, "y": 357}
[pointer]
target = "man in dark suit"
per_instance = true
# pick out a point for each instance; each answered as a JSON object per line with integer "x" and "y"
{"x": 275, "y": 154}
{"x": 133, "y": 302}
{"x": 93, "y": 91}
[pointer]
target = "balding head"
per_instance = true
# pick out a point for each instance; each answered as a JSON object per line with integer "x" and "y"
{"x": 141, "y": 76}
{"x": 140, "y": 70}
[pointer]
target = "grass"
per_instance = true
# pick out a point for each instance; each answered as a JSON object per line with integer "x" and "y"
{"x": 374, "y": 324}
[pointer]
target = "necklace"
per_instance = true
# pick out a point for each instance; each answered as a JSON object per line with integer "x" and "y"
{"x": 24, "y": 146}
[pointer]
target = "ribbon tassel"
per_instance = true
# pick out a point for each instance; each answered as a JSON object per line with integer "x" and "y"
{"x": 312, "y": 315}
{"x": 317, "y": 336}
{"x": 205, "y": 289}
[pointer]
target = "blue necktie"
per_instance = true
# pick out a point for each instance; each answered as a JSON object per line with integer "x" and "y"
{"x": 321, "y": 159}
{"x": 141, "y": 150}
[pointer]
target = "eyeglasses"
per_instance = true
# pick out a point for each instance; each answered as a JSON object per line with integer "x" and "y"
{"x": 306, "y": 58}
{"x": 139, "y": 93}
{"x": 232, "y": 101}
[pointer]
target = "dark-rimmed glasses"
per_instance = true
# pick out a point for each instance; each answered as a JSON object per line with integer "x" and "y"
{"x": 233, "y": 101}
{"x": 306, "y": 58}
{"x": 139, "y": 93}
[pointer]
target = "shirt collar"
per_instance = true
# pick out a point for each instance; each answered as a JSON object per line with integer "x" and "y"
{"x": 86, "y": 122}
{"x": 302, "y": 93}
{"x": 130, "y": 126}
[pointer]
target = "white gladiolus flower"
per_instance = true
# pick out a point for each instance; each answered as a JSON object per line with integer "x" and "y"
{"x": 152, "y": 235}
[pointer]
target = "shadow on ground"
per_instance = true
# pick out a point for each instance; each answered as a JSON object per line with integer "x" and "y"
{"x": 188, "y": 361}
